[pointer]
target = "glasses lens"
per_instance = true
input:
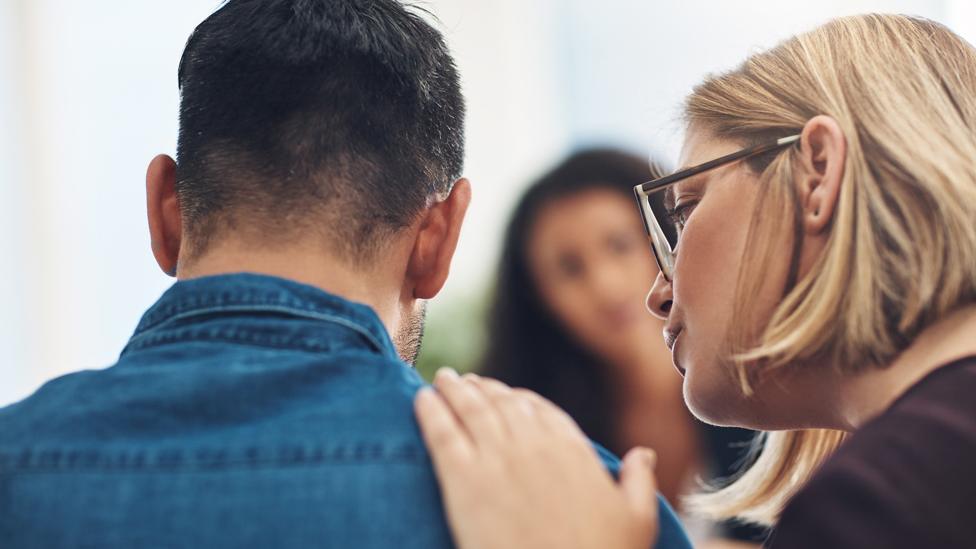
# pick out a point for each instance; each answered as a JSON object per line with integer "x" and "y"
{"x": 660, "y": 230}
{"x": 666, "y": 226}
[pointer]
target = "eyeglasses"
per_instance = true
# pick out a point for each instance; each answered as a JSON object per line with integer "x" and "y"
{"x": 662, "y": 230}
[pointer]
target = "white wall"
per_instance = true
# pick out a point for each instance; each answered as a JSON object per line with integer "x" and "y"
{"x": 92, "y": 86}
{"x": 630, "y": 63}
{"x": 88, "y": 94}
{"x": 14, "y": 273}
{"x": 504, "y": 50}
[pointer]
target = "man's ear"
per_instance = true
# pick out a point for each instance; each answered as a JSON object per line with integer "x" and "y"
{"x": 823, "y": 152}
{"x": 163, "y": 209}
{"x": 436, "y": 241}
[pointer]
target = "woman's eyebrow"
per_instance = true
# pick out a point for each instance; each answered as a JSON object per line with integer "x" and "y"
{"x": 695, "y": 181}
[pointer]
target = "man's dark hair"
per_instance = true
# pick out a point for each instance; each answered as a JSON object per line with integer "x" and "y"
{"x": 338, "y": 116}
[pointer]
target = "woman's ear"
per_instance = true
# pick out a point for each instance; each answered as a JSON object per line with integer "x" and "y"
{"x": 436, "y": 241}
{"x": 823, "y": 154}
{"x": 163, "y": 210}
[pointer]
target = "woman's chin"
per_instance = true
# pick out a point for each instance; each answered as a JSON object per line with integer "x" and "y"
{"x": 715, "y": 404}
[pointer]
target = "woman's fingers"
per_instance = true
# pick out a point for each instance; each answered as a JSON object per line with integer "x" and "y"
{"x": 639, "y": 484}
{"x": 444, "y": 436}
{"x": 492, "y": 413}
{"x": 541, "y": 486}
{"x": 517, "y": 412}
{"x": 473, "y": 410}
{"x": 555, "y": 418}
{"x": 524, "y": 412}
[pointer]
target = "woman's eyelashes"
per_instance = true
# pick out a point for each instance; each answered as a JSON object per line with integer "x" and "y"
{"x": 686, "y": 196}
{"x": 680, "y": 213}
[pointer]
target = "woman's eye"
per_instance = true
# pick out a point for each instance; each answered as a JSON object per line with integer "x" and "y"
{"x": 621, "y": 244}
{"x": 679, "y": 214}
{"x": 570, "y": 266}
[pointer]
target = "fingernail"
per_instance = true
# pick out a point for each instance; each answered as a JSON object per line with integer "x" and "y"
{"x": 646, "y": 456}
{"x": 650, "y": 457}
{"x": 425, "y": 393}
{"x": 447, "y": 372}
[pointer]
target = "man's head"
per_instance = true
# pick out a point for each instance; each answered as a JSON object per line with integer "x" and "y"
{"x": 324, "y": 127}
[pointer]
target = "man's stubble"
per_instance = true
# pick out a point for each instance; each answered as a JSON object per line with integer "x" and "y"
{"x": 410, "y": 335}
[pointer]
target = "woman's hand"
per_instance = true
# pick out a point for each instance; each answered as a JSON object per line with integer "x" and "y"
{"x": 516, "y": 472}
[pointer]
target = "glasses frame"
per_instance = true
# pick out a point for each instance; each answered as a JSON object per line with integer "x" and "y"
{"x": 663, "y": 252}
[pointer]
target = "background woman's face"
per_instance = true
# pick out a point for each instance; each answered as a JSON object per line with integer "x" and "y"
{"x": 589, "y": 257}
{"x": 717, "y": 207}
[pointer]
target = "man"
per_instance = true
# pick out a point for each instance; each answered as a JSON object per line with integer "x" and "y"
{"x": 315, "y": 203}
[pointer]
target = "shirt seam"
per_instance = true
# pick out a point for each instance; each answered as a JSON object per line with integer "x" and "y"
{"x": 211, "y": 459}
{"x": 266, "y": 308}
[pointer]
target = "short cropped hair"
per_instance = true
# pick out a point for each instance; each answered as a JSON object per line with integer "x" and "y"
{"x": 341, "y": 117}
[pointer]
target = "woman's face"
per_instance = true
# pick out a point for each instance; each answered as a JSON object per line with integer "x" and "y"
{"x": 716, "y": 208}
{"x": 588, "y": 255}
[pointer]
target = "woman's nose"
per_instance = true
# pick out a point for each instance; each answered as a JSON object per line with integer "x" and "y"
{"x": 659, "y": 299}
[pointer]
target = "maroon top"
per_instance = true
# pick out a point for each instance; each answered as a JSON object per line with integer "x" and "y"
{"x": 905, "y": 479}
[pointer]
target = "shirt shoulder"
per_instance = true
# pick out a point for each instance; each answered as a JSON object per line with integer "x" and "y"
{"x": 906, "y": 479}
{"x": 671, "y": 534}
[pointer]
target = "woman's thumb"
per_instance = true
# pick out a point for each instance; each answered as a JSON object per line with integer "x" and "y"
{"x": 637, "y": 481}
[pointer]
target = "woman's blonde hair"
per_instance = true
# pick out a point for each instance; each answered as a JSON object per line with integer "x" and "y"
{"x": 902, "y": 248}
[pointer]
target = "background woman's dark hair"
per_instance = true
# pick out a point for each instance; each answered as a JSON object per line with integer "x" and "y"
{"x": 526, "y": 345}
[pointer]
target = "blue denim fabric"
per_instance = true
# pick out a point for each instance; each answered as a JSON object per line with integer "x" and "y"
{"x": 246, "y": 411}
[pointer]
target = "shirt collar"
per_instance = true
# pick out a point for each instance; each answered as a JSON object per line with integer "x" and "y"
{"x": 243, "y": 292}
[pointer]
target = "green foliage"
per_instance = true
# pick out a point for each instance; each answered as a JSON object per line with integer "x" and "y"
{"x": 455, "y": 334}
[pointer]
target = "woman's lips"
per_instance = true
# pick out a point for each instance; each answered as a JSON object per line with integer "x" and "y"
{"x": 671, "y": 340}
{"x": 674, "y": 360}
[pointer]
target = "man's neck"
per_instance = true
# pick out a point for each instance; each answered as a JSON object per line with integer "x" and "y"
{"x": 306, "y": 264}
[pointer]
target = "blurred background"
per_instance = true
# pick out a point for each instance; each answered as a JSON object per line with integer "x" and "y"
{"x": 88, "y": 95}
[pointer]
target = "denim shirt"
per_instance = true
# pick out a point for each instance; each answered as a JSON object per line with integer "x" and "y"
{"x": 246, "y": 411}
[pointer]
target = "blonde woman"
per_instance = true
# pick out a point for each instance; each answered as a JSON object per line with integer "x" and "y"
{"x": 820, "y": 286}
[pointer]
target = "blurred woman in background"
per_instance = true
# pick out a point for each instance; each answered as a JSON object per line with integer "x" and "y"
{"x": 568, "y": 320}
